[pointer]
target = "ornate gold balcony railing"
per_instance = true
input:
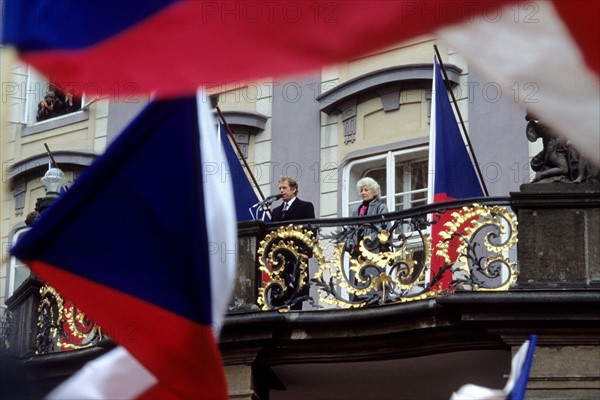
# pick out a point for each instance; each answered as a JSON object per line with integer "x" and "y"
{"x": 386, "y": 259}
{"x": 62, "y": 326}
{"x": 43, "y": 322}
{"x": 342, "y": 263}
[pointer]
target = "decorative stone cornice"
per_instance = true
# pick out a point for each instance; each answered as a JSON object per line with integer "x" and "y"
{"x": 380, "y": 83}
{"x": 35, "y": 164}
{"x": 255, "y": 121}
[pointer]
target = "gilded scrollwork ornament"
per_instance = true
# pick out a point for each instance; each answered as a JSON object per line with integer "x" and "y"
{"x": 62, "y": 326}
{"x": 386, "y": 267}
{"x": 283, "y": 260}
{"x": 389, "y": 260}
{"x": 486, "y": 235}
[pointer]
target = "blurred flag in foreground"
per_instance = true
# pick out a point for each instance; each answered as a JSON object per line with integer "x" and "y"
{"x": 452, "y": 172}
{"x": 517, "y": 381}
{"x": 512, "y": 43}
{"x": 144, "y": 243}
{"x": 516, "y": 50}
{"x": 80, "y": 43}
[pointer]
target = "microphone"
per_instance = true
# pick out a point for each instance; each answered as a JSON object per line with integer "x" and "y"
{"x": 273, "y": 197}
{"x": 268, "y": 200}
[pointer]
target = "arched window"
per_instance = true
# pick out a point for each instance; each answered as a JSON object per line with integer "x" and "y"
{"x": 16, "y": 273}
{"x": 402, "y": 175}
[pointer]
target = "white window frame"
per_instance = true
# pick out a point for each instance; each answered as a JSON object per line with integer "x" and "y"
{"x": 36, "y": 87}
{"x": 13, "y": 269}
{"x": 390, "y": 160}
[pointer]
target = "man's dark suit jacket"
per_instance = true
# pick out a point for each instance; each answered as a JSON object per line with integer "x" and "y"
{"x": 298, "y": 210}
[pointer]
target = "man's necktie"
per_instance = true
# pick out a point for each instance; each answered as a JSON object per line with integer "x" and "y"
{"x": 285, "y": 208}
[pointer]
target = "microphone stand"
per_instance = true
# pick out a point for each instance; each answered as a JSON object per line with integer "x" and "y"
{"x": 263, "y": 206}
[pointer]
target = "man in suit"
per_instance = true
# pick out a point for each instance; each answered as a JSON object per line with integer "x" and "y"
{"x": 292, "y": 207}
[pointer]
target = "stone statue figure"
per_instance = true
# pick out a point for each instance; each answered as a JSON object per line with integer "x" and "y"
{"x": 585, "y": 171}
{"x": 557, "y": 162}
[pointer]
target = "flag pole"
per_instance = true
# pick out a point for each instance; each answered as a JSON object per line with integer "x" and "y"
{"x": 462, "y": 122}
{"x": 53, "y": 161}
{"x": 50, "y": 155}
{"x": 239, "y": 152}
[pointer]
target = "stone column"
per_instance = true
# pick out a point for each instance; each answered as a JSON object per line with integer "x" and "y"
{"x": 247, "y": 279}
{"x": 247, "y": 380}
{"x": 559, "y": 233}
{"x": 239, "y": 382}
{"x": 558, "y": 250}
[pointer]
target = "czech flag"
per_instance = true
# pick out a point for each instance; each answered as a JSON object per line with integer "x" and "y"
{"x": 515, "y": 387}
{"x": 543, "y": 55}
{"x": 188, "y": 44}
{"x": 144, "y": 243}
{"x": 172, "y": 47}
{"x": 245, "y": 195}
{"x": 450, "y": 165}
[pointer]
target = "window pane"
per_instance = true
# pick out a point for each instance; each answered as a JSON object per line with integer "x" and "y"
{"x": 410, "y": 176}
{"x": 22, "y": 272}
{"x": 16, "y": 272}
{"x": 373, "y": 167}
{"x": 419, "y": 175}
{"x": 47, "y": 100}
{"x": 56, "y": 102}
{"x": 399, "y": 197}
{"x": 419, "y": 183}
{"x": 37, "y": 87}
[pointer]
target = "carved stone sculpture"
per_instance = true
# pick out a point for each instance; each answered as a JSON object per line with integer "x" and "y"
{"x": 557, "y": 162}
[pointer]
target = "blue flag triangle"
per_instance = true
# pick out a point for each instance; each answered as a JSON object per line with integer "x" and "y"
{"x": 455, "y": 175}
{"x": 144, "y": 243}
{"x": 244, "y": 194}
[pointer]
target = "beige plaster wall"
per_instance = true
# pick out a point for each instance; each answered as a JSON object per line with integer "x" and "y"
{"x": 88, "y": 135}
{"x": 376, "y": 127}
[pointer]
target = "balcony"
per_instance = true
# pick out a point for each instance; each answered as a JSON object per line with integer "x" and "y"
{"x": 386, "y": 259}
{"x": 356, "y": 295}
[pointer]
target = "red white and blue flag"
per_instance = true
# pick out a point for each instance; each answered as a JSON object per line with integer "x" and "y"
{"x": 144, "y": 243}
{"x": 452, "y": 171}
{"x": 172, "y": 47}
{"x": 177, "y": 40}
{"x": 455, "y": 176}
{"x": 245, "y": 195}
{"x": 515, "y": 387}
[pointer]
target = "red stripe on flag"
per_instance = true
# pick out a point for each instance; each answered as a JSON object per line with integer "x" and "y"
{"x": 582, "y": 18}
{"x": 437, "y": 261}
{"x": 188, "y": 42}
{"x": 181, "y": 354}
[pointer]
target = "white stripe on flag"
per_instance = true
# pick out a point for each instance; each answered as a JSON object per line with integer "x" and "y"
{"x": 518, "y": 367}
{"x": 536, "y": 62}
{"x": 117, "y": 374}
{"x": 219, "y": 206}
{"x": 114, "y": 375}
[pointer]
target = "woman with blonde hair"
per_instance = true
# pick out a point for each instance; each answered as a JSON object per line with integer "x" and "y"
{"x": 369, "y": 191}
